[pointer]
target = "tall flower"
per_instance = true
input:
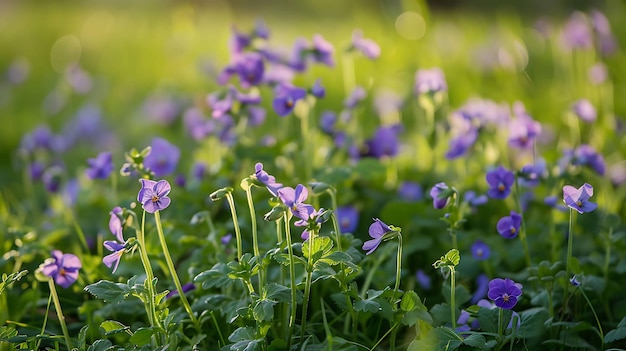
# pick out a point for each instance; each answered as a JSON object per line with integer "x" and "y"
{"x": 504, "y": 292}
{"x": 153, "y": 195}
{"x": 500, "y": 181}
{"x": 578, "y": 199}
{"x": 163, "y": 157}
{"x": 101, "y": 166}
{"x": 377, "y": 231}
{"x": 509, "y": 226}
{"x": 63, "y": 268}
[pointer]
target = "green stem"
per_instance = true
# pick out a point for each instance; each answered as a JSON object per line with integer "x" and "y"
{"x": 79, "y": 230}
{"x": 304, "y": 138}
{"x": 500, "y": 327}
{"x": 145, "y": 261}
{"x": 233, "y": 212}
{"x": 307, "y": 283}
{"x": 170, "y": 266}
{"x": 398, "y": 271}
{"x": 57, "y": 307}
{"x": 522, "y": 231}
{"x": 452, "y": 296}
{"x": 45, "y": 321}
{"x": 370, "y": 275}
{"x": 595, "y": 316}
{"x": 255, "y": 240}
{"x": 292, "y": 279}
{"x": 570, "y": 246}
{"x": 383, "y": 337}
{"x": 607, "y": 255}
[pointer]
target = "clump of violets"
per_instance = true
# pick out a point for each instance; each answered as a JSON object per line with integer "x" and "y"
{"x": 504, "y": 292}
{"x": 500, "y": 181}
{"x": 441, "y": 194}
{"x": 509, "y": 226}
{"x": 101, "y": 166}
{"x": 578, "y": 199}
{"x": 63, "y": 268}
{"x": 153, "y": 195}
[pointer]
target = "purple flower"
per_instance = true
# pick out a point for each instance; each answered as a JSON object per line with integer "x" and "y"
{"x": 286, "y": 96}
{"x": 508, "y": 226}
{"x": 322, "y": 51}
{"x": 523, "y": 131}
{"x": 198, "y": 126}
{"x": 440, "y": 193}
{"x": 357, "y": 95}
{"x": 186, "y": 288}
{"x": 482, "y": 285}
{"x": 530, "y": 175}
{"x": 249, "y": 66}
{"x": 500, "y": 181}
{"x": 238, "y": 41}
{"x": 161, "y": 109}
{"x": 423, "y": 279}
{"x": 598, "y": 73}
{"x": 63, "y": 268}
{"x": 578, "y": 199}
{"x": 585, "y": 155}
{"x": 268, "y": 180}
{"x": 328, "y": 120}
{"x": 574, "y": 281}
{"x": 461, "y": 322}
{"x": 384, "y": 143}
{"x": 163, "y": 157}
{"x": 198, "y": 170}
{"x": 101, "y": 166}
{"x": 225, "y": 240}
{"x": 552, "y": 201}
{"x": 367, "y": 47}
{"x": 153, "y": 195}
{"x": 473, "y": 199}
{"x": 256, "y": 116}
{"x": 377, "y": 231}
{"x": 318, "y": 90}
{"x": 460, "y": 144}
{"x": 577, "y": 32}
{"x": 118, "y": 248}
{"x": 348, "y": 218}
{"x": 51, "y": 178}
{"x": 584, "y": 110}
{"x": 410, "y": 191}
{"x": 504, "y": 292}
{"x": 36, "y": 170}
{"x": 309, "y": 218}
{"x": 294, "y": 200}
{"x": 480, "y": 250}
{"x": 430, "y": 81}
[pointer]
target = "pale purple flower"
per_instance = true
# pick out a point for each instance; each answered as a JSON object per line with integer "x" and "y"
{"x": 101, "y": 166}
{"x": 577, "y": 32}
{"x": 367, "y": 47}
{"x": 294, "y": 200}
{"x": 384, "y": 143}
{"x": 163, "y": 157}
{"x": 523, "y": 131}
{"x": 474, "y": 199}
{"x": 285, "y": 98}
{"x": 309, "y": 217}
{"x": 598, "y": 73}
{"x": 440, "y": 193}
{"x": 161, "y": 109}
{"x": 553, "y": 202}
{"x": 348, "y": 218}
{"x": 63, "y": 268}
{"x": 198, "y": 126}
{"x": 377, "y": 231}
{"x": 322, "y": 51}
{"x": 584, "y": 110}
{"x": 357, "y": 95}
{"x": 249, "y": 66}
{"x": 430, "y": 81}
{"x": 268, "y": 180}
{"x": 578, "y": 199}
{"x": 153, "y": 195}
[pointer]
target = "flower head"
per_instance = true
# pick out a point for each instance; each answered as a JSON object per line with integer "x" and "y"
{"x": 523, "y": 130}
{"x": 584, "y": 110}
{"x": 268, "y": 180}
{"x": 101, "y": 166}
{"x": 286, "y": 96}
{"x": 367, "y": 47}
{"x": 322, "y": 51}
{"x": 348, "y": 218}
{"x": 294, "y": 200}
{"x": 430, "y": 81}
{"x": 500, "y": 181}
{"x": 440, "y": 194}
{"x": 310, "y": 218}
{"x": 163, "y": 157}
{"x": 504, "y": 292}
{"x": 318, "y": 90}
{"x": 153, "y": 195}
{"x": 578, "y": 199}
{"x": 384, "y": 142}
{"x": 63, "y": 268}
{"x": 480, "y": 250}
{"x": 410, "y": 191}
{"x": 508, "y": 226}
{"x": 377, "y": 231}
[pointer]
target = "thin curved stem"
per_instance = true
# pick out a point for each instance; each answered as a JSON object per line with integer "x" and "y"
{"x": 398, "y": 270}
{"x": 307, "y": 283}
{"x": 292, "y": 279}
{"x": 453, "y": 296}
{"x": 522, "y": 231}
{"x": 57, "y": 307}
{"x": 233, "y": 212}
{"x": 145, "y": 261}
{"x": 255, "y": 240}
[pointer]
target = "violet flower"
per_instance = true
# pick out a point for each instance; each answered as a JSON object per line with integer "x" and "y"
{"x": 384, "y": 143}
{"x": 322, "y": 51}
{"x": 309, "y": 218}
{"x": 286, "y": 96}
{"x": 367, "y": 47}
{"x": 552, "y": 201}
{"x": 249, "y": 66}
{"x": 294, "y": 200}
{"x": 163, "y": 158}
{"x": 584, "y": 110}
{"x": 509, "y": 226}
{"x": 318, "y": 90}
{"x": 480, "y": 250}
{"x": 377, "y": 231}
{"x": 504, "y": 292}
{"x": 430, "y": 81}
{"x": 357, "y": 95}
{"x": 578, "y": 199}
{"x": 423, "y": 279}
{"x": 186, "y": 288}
{"x": 268, "y": 180}
{"x": 482, "y": 286}
{"x": 63, "y": 268}
{"x": 101, "y": 166}
{"x": 410, "y": 191}
{"x": 348, "y": 218}
{"x": 473, "y": 199}
{"x": 440, "y": 193}
{"x": 153, "y": 195}
{"x": 500, "y": 181}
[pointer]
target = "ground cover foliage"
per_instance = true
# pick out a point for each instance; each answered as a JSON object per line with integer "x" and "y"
{"x": 432, "y": 181}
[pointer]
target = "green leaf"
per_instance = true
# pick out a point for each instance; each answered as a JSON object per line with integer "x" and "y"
{"x": 367, "y": 306}
{"x": 475, "y": 340}
{"x": 264, "y": 310}
{"x": 109, "y": 291}
{"x": 370, "y": 169}
{"x": 618, "y": 333}
{"x": 101, "y": 345}
{"x": 10, "y": 279}
{"x": 7, "y": 333}
{"x": 82, "y": 338}
{"x": 532, "y": 322}
{"x": 321, "y": 246}
{"x": 453, "y": 256}
{"x": 410, "y": 301}
{"x": 277, "y": 292}
{"x": 241, "y": 333}
{"x": 412, "y": 317}
{"x": 142, "y": 336}
{"x": 217, "y": 276}
{"x": 113, "y": 327}
{"x": 448, "y": 338}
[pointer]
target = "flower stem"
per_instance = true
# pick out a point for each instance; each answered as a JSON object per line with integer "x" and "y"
{"x": 307, "y": 283}
{"x": 79, "y": 230}
{"x": 570, "y": 246}
{"x": 255, "y": 240}
{"x": 595, "y": 316}
{"x": 398, "y": 270}
{"x": 57, "y": 307}
{"x": 522, "y": 231}
{"x": 453, "y": 296}
{"x": 233, "y": 211}
{"x": 170, "y": 266}
{"x": 143, "y": 254}
{"x": 292, "y": 279}
{"x": 45, "y": 321}
{"x": 500, "y": 321}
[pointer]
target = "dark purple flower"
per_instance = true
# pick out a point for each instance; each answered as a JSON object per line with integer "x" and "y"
{"x": 440, "y": 193}
{"x": 584, "y": 110}
{"x": 318, "y": 90}
{"x": 348, "y": 218}
{"x": 357, "y": 95}
{"x": 430, "y": 81}
{"x": 198, "y": 170}
{"x": 268, "y": 180}
{"x": 531, "y": 174}
{"x": 180, "y": 180}
{"x": 410, "y": 191}
{"x": 63, "y": 268}
{"x": 153, "y": 195}
{"x": 40, "y": 138}
{"x": 482, "y": 285}
{"x": 480, "y": 250}
{"x": 508, "y": 226}
{"x": 186, "y": 288}
{"x": 384, "y": 143}
{"x": 249, "y": 66}
{"x": 367, "y": 47}
{"x": 377, "y": 231}
{"x": 322, "y": 51}
{"x": 238, "y": 41}
{"x": 51, "y": 178}
{"x": 578, "y": 199}
{"x": 101, "y": 166}
{"x": 35, "y": 170}
{"x": 163, "y": 157}
{"x": 500, "y": 181}
{"x": 423, "y": 279}
{"x": 504, "y": 292}
{"x": 285, "y": 98}
{"x": 294, "y": 200}
{"x": 328, "y": 120}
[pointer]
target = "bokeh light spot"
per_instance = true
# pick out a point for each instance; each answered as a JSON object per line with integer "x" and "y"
{"x": 411, "y": 25}
{"x": 66, "y": 51}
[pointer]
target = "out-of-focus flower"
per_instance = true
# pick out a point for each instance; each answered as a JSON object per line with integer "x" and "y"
{"x": 410, "y": 191}
{"x": 348, "y": 218}
{"x": 523, "y": 130}
{"x": 163, "y": 157}
{"x": 225, "y": 240}
{"x": 318, "y": 90}
{"x": 482, "y": 285}
{"x": 504, "y": 292}
{"x": 384, "y": 143}
{"x": 52, "y": 177}
{"x": 285, "y": 98}
{"x": 101, "y": 166}
{"x": 577, "y": 32}
{"x": 474, "y": 199}
{"x": 198, "y": 126}
{"x": 186, "y": 288}
{"x": 584, "y": 110}
{"x": 249, "y": 66}
{"x": 480, "y": 250}
{"x": 63, "y": 268}
{"x": 322, "y": 51}
{"x": 367, "y": 47}
{"x": 423, "y": 279}
{"x": 578, "y": 199}
{"x": 18, "y": 71}
{"x": 161, "y": 109}
{"x": 500, "y": 181}
{"x": 430, "y": 81}
{"x": 598, "y": 73}
{"x": 357, "y": 95}
{"x": 153, "y": 196}
{"x": 509, "y": 226}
